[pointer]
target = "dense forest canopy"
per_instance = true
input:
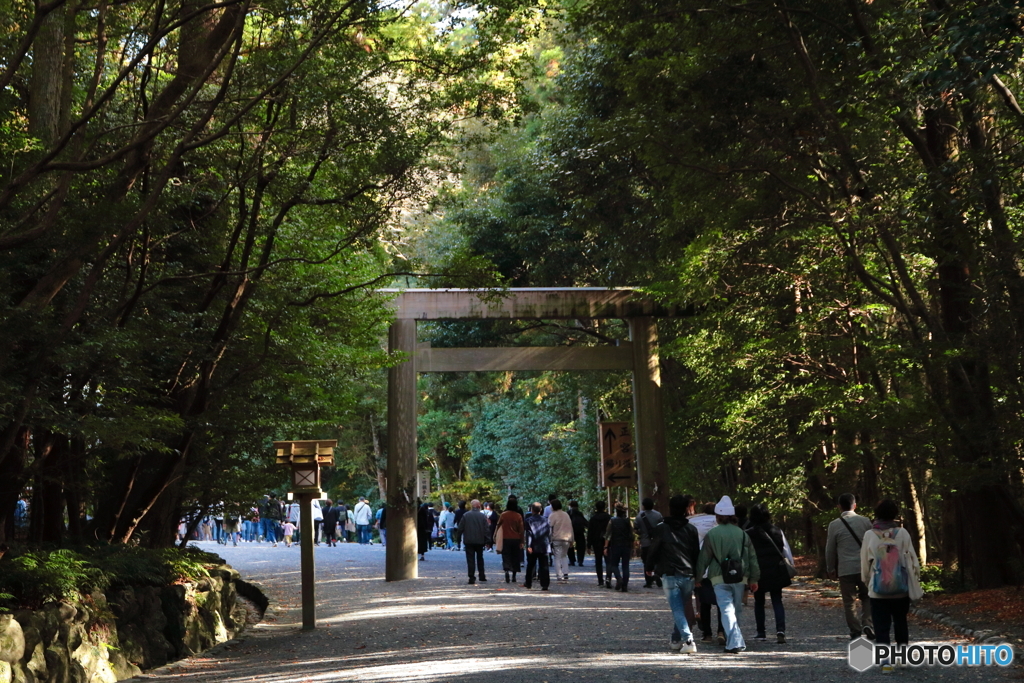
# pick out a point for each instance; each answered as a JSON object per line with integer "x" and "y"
{"x": 198, "y": 201}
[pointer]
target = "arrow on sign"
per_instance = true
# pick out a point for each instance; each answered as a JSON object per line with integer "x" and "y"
{"x": 609, "y": 436}
{"x": 616, "y": 477}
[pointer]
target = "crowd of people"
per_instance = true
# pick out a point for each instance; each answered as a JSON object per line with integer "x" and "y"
{"x": 706, "y": 558}
{"x": 273, "y": 521}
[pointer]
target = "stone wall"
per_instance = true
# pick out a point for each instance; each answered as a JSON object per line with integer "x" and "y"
{"x": 113, "y": 636}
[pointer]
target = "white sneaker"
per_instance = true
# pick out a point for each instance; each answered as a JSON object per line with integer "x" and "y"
{"x": 887, "y": 668}
{"x": 675, "y": 644}
{"x": 688, "y": 648}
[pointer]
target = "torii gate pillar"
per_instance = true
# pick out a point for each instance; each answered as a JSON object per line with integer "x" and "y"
{"x": 400, "y": 562}
{"x": 648, "y": 418}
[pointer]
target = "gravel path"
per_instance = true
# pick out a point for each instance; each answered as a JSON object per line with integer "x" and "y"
{"x": 437, "y": 628}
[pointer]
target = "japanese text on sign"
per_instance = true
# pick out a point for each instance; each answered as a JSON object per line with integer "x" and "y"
{"x": 618, "y": 461}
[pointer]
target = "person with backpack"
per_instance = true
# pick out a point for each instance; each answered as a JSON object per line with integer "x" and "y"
{"x": 842, "y": 561}
{"x": 729, "y": 558}
{"x": 644, "y": 525}
{"x": 891, "y": 570}
{"x": 672, "y": 556}
{"x": 775, "y": 559}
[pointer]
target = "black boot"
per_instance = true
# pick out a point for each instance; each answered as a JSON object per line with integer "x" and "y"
{"x": 507, "y": 580}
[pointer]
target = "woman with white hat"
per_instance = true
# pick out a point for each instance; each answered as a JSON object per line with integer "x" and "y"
{"x": 731, "y": 562}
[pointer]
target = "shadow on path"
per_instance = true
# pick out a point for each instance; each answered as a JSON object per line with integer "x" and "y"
{"x": 437, "y": 628}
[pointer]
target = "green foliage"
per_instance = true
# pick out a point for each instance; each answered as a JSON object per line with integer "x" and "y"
{"x": 30, "y": 578}
{"x": 37, "y": 577}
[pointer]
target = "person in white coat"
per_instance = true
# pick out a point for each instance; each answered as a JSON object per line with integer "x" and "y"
{"x": 892, "y": 572}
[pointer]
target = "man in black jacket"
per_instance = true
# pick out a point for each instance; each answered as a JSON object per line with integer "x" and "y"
{"x": 595, "y": 539}
{"x": 578, "y": 550}
{"x": 673, "y": 554}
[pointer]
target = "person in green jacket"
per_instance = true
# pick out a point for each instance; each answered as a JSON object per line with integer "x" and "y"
{"x": 722, "y": 545}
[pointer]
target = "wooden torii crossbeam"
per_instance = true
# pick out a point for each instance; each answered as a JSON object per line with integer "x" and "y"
{"x": 639, "y": 355}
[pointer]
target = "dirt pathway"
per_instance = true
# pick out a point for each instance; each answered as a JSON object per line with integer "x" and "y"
{"x": 437, "y": 628}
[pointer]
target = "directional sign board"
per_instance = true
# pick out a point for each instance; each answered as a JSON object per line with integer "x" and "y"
{"x": 618, "y": 461}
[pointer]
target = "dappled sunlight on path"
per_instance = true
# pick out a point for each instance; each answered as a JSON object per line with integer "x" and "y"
{"x": 437, "y": 628}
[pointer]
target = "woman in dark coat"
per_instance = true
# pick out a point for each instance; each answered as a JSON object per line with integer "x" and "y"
{"x": 595, "y": 539}
{"x": 425, "y": 522}
{"x": 330, "y": 524}
{"x": 772, "y": 552}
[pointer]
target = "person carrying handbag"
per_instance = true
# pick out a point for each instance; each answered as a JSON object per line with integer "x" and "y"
{"x": 775, "y": 559}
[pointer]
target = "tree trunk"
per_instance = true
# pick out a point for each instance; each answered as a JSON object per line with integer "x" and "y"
{"x": 47, "y": 75}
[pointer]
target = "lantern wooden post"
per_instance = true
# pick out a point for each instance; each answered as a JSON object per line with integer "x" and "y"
{"x": 305, "y": 459}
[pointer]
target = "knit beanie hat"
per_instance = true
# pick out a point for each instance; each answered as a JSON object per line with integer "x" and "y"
{"x": 725, "y": 507}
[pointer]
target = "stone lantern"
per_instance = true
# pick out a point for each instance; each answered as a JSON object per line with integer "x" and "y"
{"x": 305, "y": 459}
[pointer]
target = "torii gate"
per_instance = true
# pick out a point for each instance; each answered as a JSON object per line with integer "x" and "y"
{"x": 639, "y": 354}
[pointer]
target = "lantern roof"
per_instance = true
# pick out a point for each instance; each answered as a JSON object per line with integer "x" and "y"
{"x": 318, "y": 452}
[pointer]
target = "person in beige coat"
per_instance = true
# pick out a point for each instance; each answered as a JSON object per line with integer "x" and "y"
{"x": 561, "y": 538}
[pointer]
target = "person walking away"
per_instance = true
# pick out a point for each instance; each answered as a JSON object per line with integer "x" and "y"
{"x": 382, "y": 524}
{"x": 595, "y": 539}
{"x": 578, "y": 549}
{"x": 644, "y": 525}
{"x": 341, "y": 533}
{"x": 731, "y": 563}
{"x": 842, "y": 561}
{"x": 270, "y": 518}
{"x": 705, "y": 592}
{"x": 231, "y": 524}
{"x": 446, "y": 521}
{"x": 772, "y": 551}
{"x": 424, "y": 528}
{"x": 672, "y": 555}
{"x": 363, "y": 515}
{"x": 318, "y": 522}
{"x": 289, "y": 530}
{"x": 510, "y": 523}
{"x": 330, "y": 527}
{"x": 561, "y": 538}
{"x": 350, "y": 525}
{"x": 476, "y": 534}
{"x": 537, "y": 538}
{"x": 892, "y": 572}
{"x": 458, "y": 519}
{"x": 492, "y": 523}
{"x": 618, "y": 546}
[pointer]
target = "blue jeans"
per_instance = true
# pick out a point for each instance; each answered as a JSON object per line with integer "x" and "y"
{"x": 449, "y": 541}
{"x": 679, "y": 590}
{"x": 364, "y": 533}
{"x": 730, "y": 602}
{"x": 268, "y": 527}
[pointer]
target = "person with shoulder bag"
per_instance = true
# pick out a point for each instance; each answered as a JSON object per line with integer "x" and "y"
{"x": 730, "y": 561}
{"x": 775, "y": 559}
{"x": 890, "y": 569}
{"x": 842, "y": 561}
